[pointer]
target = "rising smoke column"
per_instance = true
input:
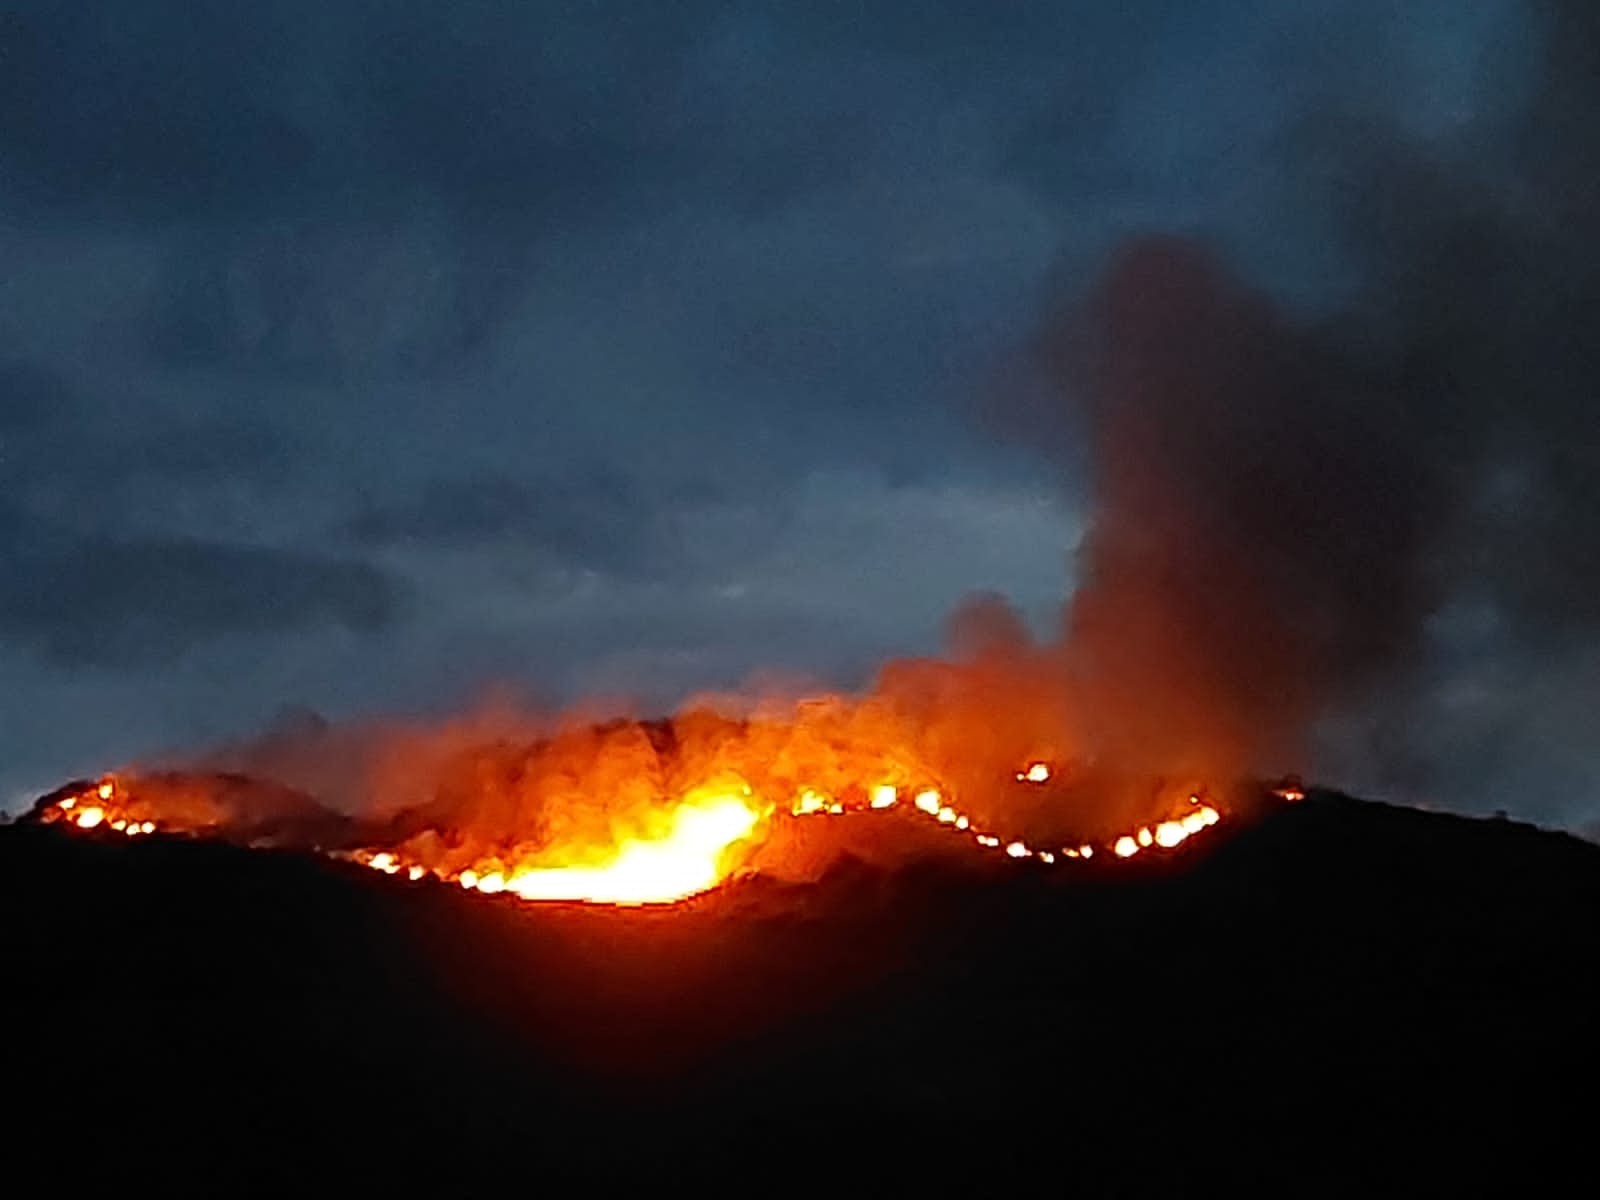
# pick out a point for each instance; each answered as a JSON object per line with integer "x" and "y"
{"x": 1284, "y": 514}
{"x": 1256, "y": 521}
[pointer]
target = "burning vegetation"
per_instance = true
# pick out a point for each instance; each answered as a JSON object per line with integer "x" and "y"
{"x": 654, "y": 812}
{"x": 1191, "y": 654}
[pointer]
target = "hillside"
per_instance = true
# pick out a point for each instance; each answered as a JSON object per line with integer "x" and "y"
{"x": 1335, "y": 994}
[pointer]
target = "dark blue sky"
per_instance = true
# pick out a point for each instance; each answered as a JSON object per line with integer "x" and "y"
{"x": 359, "y": 355}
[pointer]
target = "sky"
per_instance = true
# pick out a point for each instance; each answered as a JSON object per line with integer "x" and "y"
{"x": 364, "y": 357}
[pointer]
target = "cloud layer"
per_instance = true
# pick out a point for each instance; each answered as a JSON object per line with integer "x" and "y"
{"x": 359, "y": 355}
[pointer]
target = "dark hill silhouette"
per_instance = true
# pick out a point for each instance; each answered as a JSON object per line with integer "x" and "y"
{"x": 1337, "y": 995}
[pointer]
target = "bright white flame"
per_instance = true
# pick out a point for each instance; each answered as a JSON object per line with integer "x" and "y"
{"x": 810, "y": 802}
{"x": 1126, "y": 847}
{"x": 684, "y": 862}
{"x": 928, "y": 802}
{"x": 1170, "y": 833}
{"x": 884, "y": 796}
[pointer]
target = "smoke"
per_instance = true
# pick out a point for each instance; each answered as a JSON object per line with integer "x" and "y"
{"x": 1348, "y": 540}
{"x": 1257, "y": 518}
{"x": 1308, "y": 532}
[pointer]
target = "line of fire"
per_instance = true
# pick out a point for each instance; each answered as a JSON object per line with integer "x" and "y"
{"x": 635, "y": 813}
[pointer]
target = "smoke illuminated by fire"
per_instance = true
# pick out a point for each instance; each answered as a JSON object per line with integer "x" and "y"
{"x": 690, "y": 846}
{"x": 971, "y": 755}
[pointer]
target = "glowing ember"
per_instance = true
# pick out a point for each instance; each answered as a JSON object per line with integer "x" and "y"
{"x": 1290, "y": 789}
{"x": 1036, "y": 773}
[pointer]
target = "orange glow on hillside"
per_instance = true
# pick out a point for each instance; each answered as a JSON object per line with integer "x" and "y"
{"x": 650, "y": 851}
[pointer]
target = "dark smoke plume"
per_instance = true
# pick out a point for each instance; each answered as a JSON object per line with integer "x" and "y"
{"x": 1362, "y": 544}
{"x": 1286, "y": 514}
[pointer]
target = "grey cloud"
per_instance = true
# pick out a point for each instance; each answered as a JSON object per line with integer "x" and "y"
{"x": 582, "y": 112}
{"x": 112, "y": 526}
{"x": 140, "y": 602}
{"x": 602, "y": 522}
{"x": 352, "y": 299}
{"x": 109, "y": 456}
{"x": 559, "y": 312}
{"x": 172, "y": 104}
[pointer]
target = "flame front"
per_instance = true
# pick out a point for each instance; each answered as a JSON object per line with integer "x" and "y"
{"x": 653, "y": 849}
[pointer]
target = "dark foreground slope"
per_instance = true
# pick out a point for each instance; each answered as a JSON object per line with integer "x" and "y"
{"x": 1337, "y": 995}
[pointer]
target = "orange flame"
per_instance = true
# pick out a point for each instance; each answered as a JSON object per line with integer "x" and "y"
{"x": 688, "y": 860}
{"x": 674, "y": 851}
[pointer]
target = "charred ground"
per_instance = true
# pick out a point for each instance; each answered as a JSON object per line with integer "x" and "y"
{"x": 1334, "y": 993}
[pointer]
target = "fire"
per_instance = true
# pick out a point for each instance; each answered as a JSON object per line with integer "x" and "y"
{"x": 104, "y": 806}
{"x": 1290, "y": 788}
{"x": 659, "y": 851}
{"x": 685, "y": 862}
{"x": 811, "y": 802}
